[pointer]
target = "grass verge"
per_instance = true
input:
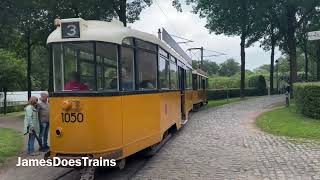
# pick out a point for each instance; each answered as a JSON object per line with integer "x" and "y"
{"x": 216, "y": 103}
{"x": 286, "y": 121}
{"x": 13, "y": 114}
{"x": 11, "y": 143}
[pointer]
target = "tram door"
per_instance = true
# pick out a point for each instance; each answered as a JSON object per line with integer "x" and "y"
{"x": 182, "y": 80}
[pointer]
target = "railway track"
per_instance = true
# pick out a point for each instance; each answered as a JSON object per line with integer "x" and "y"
{"x": 134, "y": 164}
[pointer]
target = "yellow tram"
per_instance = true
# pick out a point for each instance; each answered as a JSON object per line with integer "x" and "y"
{"x": 115, "y": 91}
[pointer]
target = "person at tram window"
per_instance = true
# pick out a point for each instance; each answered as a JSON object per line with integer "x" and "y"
{"x": 43, "y": 109}
{"x": 127, "y": 83}
{"x": 74, "y": 84}
{"x": 146, "y": 84}
{"x": 31, "y": 124}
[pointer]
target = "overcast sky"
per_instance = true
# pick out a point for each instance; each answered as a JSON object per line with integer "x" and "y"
{"x": 190, "y": 26}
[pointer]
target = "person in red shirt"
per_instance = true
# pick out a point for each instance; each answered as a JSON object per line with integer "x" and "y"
{"x": 74, "y": 84}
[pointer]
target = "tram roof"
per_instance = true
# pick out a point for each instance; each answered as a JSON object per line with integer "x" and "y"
{"x": 113, "y": 32}
{"x": 200, "y": 72}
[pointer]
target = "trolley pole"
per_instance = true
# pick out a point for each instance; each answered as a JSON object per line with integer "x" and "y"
{"x": 159, "y": 34}
{"x": 201, "y": 58}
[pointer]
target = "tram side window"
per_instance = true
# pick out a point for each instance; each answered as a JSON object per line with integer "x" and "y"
{"x": 147, "y": 70}
{"x": 204, "y": 84}
{"x": 57, "y": 78}
{"x": 164, "y": 73}
{"x": 173, "y": 76}
{"x": 194, "y": 82}
{"x": 127, "y": 69}
{"x": 189, "y": 79}
{"x": 78, "y": 67}
{"x": 107, "y": 67}
{"x": 199, "y": 82}
{"x": 145, "y": 45}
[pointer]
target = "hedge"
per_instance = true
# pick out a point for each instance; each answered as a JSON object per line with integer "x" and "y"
{"x": 13, "y": 109}
{"x": 307, "y": 98}
{"x": 214, "y": 94}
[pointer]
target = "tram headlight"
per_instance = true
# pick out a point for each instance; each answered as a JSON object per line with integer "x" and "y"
{"x": 59, "y": 132}
{"x": 66, "y": 105}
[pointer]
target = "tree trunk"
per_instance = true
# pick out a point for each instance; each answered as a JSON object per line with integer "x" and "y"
{"x": 243, "y": 65}
{"x": 292, "y": 46}
{"x": 29, "y": 62}
{"x": 273, "y": 44}
{"x": 272, "y": 69}
{"x": 123, "y": 12}
{"x": 318, "y": 61}
{"x": 318, "y": 70}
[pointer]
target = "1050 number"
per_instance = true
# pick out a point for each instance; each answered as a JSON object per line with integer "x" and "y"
{"x": 72, "y": 117}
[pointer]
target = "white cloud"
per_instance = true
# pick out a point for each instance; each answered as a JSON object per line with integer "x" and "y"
{"x": 190, "y": 26}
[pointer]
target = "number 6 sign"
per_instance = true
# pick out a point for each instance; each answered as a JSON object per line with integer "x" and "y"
{"x": 70, "y": 30}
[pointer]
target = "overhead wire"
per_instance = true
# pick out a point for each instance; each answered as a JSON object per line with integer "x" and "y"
{"x": 176, "y": 32}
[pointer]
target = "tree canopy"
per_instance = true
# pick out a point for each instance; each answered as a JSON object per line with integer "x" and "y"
{"x": 232, "y": 18}
{"x": 25, "y": 26}
{"x": 12, "y": 71}
{"x": 229, "y": 68}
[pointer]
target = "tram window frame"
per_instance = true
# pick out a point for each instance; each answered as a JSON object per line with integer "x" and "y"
{"x": 94, "y": 62}
{"x": 173, "y": 65}
{"x": 189, "y": 78}
{"x": 204, "y": 86}
{"x": 141, "y": 44}
{"x": 79, "y": 62}
{"x": 194, "y": 81}
{"x": 167, "y": 72}
{"x": 139, "y": 64}
{"x": 132, "y": 50}
{"x": 163, "y": 52}
{"x": 106, "y": 66}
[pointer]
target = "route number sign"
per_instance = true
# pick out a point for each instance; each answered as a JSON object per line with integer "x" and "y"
{"x": 70, "y": 30}
{"x": 314, "y": 35}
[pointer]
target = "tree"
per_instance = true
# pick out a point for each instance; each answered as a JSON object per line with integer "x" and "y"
{"x": 292, "y": 14}
{"x": 12, "y": 71}
{"x": 208, "y": 66}
{"x": 229, "y": 68}
{"x": 129, "y": 11}
{"x": 232, "y": 18}
{"x": 271, "y": 33}
{"x": 263, "y": 68}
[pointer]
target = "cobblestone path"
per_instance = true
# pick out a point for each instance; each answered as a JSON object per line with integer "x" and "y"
{"x": 223, "y": 143}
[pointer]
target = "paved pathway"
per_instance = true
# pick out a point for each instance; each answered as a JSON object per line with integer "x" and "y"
{"x": 223, "y": 143}
{"x": 219, "y": 143}
{"x": 11, "y": 172}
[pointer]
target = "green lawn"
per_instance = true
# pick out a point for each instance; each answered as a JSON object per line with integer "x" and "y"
{"x": 287, "y": 122}
{"x": 11, "y": 143}
{"x": 216, "y": 103}
{"x": 13, "y": 114}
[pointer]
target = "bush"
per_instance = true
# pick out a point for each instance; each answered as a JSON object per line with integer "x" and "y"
{"x": 307, "y": 98}
{"x": 219, "y": 82}
{"x": 233, "y": 93}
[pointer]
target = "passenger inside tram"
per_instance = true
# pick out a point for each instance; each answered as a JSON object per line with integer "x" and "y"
{"x": 74, "y": 84}
{"x": 127, "y": 83}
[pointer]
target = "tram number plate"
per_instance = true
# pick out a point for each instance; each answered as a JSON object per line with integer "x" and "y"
{"x": 70, "y": 30}
{"x": 72, "y": 117}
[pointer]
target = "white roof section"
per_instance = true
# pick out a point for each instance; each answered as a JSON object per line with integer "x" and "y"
{"x": 113, "y": 32}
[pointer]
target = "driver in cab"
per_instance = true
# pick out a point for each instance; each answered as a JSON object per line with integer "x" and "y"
{"x": 74, "y": 84}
